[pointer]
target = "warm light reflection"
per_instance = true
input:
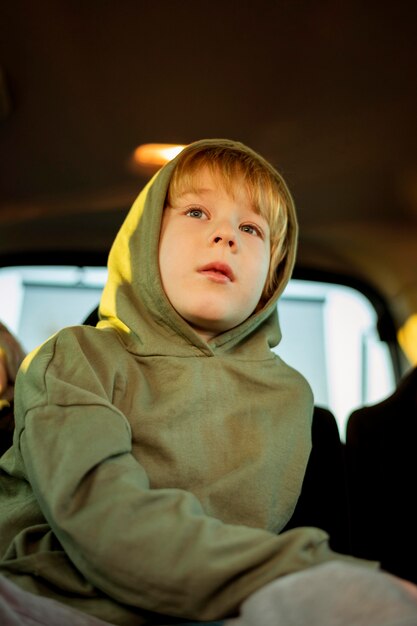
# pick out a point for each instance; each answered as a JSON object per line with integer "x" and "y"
{"x": 156, "y": 154}
{"x": 407, "y": 337}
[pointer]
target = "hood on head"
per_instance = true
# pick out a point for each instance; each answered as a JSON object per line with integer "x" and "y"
{"x": 133, "y": 300}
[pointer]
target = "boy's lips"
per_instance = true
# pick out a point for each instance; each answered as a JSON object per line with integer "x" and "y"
{"x": 218, "y": 271}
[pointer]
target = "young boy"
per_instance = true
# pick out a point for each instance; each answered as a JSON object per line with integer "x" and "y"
{"x": 157, "y": 457}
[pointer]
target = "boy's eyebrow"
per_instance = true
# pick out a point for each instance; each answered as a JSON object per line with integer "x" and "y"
{"x": 200, "y": 190}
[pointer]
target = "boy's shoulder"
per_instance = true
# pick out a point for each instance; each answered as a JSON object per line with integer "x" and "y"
{"x": 79, "y": 337}
{"x": 72, "y": 346}
{"x": 74, "y": 362}
{"x": 293, "y": 378}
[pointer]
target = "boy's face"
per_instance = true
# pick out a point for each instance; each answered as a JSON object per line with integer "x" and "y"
{"x": 214, "y": 255}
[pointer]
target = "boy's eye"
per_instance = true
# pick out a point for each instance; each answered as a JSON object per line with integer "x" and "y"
{"x": 197, "y": 213}
{"x": 251, "y": 229}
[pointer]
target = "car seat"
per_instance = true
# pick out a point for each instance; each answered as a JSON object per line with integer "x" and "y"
{"x": 382, "y": 469}
{"x": 323, "y": 502}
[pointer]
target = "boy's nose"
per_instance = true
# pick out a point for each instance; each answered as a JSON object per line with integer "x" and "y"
{"x": 226, "y": 236}
{"x": 227, "y": 241}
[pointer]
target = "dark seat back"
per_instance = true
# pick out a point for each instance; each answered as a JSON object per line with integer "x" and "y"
{"x": 92, "y": 318}
{"x": 381, "y": 449}
{"x": 6, "y": 427}
{"x": 323, "y": 501}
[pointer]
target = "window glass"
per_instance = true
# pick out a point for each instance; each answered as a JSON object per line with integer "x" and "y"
{"x": 42, "y": 300}
{"x": 330, "y": 335}
{"x": 329, "y": 331}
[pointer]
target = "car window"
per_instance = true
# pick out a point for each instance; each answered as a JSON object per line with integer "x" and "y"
{"x": 330, "y": 335}
{"x": 42, "y": 300}
{"x": 329, "y": 331}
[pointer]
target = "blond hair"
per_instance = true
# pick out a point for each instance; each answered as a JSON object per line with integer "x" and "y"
{"x": 266, "y": 190}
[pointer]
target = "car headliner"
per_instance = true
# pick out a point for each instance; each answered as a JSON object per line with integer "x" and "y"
{"x": 327, "y": 91}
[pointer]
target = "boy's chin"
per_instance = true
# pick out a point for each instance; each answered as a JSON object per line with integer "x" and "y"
{"x": 209, "y": 328}
{"x": 210, "y": 321}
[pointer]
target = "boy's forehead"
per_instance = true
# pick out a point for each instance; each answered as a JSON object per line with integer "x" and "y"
{"x": 205, "y": 180}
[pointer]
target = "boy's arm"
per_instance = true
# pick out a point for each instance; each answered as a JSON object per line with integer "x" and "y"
{"x": 151, "y": 548}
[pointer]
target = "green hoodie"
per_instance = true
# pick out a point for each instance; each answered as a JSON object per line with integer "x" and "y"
{"x": 151, "y": 472}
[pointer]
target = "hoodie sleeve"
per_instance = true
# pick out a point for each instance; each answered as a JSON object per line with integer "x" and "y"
{"x": 149, "y": 548}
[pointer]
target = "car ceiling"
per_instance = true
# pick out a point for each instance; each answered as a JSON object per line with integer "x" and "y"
{"x": 325, "y": 90}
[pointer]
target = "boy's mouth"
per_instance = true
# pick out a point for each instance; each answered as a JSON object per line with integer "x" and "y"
{"x": 219, "y": 271}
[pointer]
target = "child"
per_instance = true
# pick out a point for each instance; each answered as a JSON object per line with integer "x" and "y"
{"x": 157, "y": 457}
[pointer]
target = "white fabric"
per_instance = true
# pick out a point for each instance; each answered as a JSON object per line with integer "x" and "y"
{"x": 20, "y": 608}
{"x": 331, "y": 594}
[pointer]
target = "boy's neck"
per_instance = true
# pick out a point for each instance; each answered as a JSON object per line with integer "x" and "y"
{"x": 205, "y": 335}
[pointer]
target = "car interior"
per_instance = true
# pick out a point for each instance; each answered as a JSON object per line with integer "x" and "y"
{"x": 327, "y": 92}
